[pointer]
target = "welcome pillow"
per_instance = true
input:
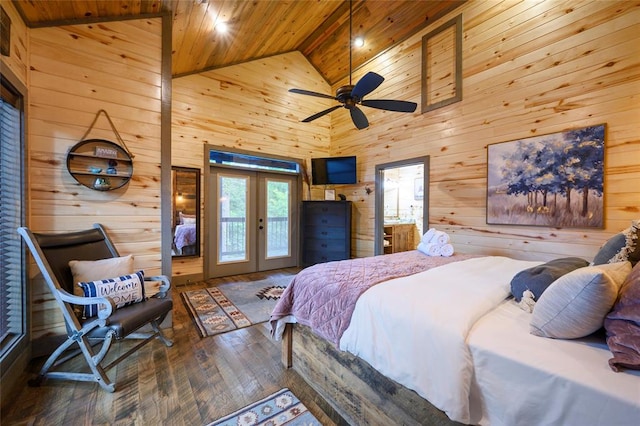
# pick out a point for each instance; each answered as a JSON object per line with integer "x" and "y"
{"x": 575, "y": 304}
{"x": 91, "y": 270}
{"x": 124, "y": 290}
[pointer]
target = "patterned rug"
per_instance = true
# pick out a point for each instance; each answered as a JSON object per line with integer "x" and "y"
{"x": 278, "y": 409}
{"x": 234, "y": 305}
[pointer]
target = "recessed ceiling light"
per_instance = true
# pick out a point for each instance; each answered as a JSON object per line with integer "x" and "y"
{"x": 358, "y": 42}
{"x": 222, "y": 27}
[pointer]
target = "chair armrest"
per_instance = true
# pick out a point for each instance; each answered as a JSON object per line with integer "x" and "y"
{"x": 164, "y": 286}
{"x": 106, "y": 305}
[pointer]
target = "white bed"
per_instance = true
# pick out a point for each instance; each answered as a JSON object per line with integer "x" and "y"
{"x": 453, "y": 335}
{"x": 522, "y": 379}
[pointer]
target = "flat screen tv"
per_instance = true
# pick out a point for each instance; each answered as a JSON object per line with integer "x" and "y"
{"x": 333, "y": 171}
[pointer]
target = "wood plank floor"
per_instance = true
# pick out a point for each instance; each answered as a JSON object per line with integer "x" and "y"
{"x": 192, "y": 383}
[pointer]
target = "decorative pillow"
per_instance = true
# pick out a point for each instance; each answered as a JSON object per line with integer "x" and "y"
{"x": 538, "y": 278}
{"x": 186, "y": 219}
{"x": 575, "y": 304}
{"x": 623, "y": 325}
{"x": 91, "y": 270}
{"x": 124, "y": 290}
{"x": 621, "y": 247}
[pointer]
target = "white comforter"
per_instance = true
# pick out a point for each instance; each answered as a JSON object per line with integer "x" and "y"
{"x": 414, "y": 329}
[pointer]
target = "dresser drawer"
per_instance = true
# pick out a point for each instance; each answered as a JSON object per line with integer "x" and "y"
{"x": 333, "y": 244}
{"x": 311, "y": 257}
{"x": 324, "y": 232}
{"x": 331, "y": 219}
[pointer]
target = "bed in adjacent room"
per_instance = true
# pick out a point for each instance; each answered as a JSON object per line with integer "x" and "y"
{"x": 412, "y": 339}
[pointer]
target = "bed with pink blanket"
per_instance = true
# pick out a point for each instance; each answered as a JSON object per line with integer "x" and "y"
{"x": 184, "y": 236}
{"x": 413, "y": 339}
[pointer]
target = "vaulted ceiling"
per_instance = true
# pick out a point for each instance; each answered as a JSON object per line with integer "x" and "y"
{"x": 319, "y": 29}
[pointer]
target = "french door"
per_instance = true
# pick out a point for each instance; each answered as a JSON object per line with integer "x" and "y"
{"x": 252, "y": 222}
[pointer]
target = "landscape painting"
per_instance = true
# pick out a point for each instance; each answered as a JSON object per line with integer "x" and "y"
{"x": 553, "y": 180}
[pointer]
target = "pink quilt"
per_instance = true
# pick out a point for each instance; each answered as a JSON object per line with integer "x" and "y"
{"x": 323, "y": 296}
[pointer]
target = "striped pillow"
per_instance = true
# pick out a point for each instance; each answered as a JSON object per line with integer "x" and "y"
{"x": 124, "y": 290}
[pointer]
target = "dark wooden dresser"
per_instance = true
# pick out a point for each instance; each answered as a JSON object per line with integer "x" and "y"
{"x": 326, "y": 231}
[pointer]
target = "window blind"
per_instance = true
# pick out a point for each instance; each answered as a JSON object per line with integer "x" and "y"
{"x": 12, "y": 301}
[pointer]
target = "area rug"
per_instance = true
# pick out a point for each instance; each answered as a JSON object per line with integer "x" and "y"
{"x": 234, "y": 305}
{"x": 278, "y": 409}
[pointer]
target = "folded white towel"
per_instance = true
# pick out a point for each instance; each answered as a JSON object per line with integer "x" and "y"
{"x": 428, "y": 236}
{"x": 430, "y": 249}
{"x": 440, "y": 238}
{"x": 446, "y": 250}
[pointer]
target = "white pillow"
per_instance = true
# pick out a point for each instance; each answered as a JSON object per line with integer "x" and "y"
{"x": 92, "y": 270}
{"x": 575, "y": 304}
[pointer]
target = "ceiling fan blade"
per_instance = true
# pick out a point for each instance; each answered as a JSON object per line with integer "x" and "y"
{"x": 390, "y": 105}
{"x": 366, "y": 85}
{"x": 310, "y": 93}
{"x": 321, "y": 113}
{"x": 358, "y": 118}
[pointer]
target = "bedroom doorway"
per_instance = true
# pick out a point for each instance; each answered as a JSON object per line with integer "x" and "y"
{"x": 251, "y": 222}
{"x": 401, "y": 204}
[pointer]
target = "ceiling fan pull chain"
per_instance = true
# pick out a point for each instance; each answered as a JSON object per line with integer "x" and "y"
{"x": 350, "y": 35}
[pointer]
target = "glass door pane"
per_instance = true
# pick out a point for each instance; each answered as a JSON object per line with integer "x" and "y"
{"x": 233, "y": 204}
{"x": 278, "y": 218}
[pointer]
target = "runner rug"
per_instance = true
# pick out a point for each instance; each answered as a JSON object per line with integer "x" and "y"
{"x": 278, "y": 409}
{"x": 234, "y": 305}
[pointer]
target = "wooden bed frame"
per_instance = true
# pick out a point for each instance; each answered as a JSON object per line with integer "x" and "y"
{"x": 356, "y": 391}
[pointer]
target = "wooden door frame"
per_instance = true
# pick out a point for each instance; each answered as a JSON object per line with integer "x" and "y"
{"x": 208, "y": 203}
{"x": 379, "y": 201}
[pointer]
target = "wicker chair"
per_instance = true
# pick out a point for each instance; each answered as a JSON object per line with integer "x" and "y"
{"x": 52, "y": 253}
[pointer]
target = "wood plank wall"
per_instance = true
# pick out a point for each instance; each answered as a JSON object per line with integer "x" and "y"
{"x": 17, "y": 61}
{"x": 247, "y": 107}
{"x": 529, "y": 68}
{"x": 74, "y": 72}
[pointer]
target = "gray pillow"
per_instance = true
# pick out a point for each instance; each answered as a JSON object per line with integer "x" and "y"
{"x": 621, "y": 247}
{"x": 576, "y": 304}
{"x": 538, "y": 278}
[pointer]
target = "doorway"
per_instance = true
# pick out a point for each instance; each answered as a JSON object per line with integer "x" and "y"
{"x": 402, "y": 204}
{"x": 251, "y": 221}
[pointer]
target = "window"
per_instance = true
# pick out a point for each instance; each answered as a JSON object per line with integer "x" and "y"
{"x": 247, "y": 161}
{"x": 13, "y": 329}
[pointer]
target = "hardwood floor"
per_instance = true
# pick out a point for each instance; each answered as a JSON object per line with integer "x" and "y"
{"x": 192, "y": 383}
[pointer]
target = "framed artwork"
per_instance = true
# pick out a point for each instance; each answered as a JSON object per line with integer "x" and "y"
{"x": 330, "y": 194}
{"x": 554, "y": 180}
{"x": 442, "y": 65}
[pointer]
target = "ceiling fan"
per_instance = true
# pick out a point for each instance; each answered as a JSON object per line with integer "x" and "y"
{"x": 350, "y": 96}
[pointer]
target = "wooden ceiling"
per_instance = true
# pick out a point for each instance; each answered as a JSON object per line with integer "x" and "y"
{"x": 258, "y": 28}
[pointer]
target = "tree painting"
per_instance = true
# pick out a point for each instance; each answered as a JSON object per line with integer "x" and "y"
{"x": 551, "y": 180}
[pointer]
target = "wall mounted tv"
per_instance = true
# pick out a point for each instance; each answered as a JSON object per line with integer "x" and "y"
{"x": 333, "y": 171}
